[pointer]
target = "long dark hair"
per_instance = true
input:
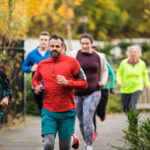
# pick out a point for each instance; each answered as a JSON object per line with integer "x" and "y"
{"x": 3, "y": 71}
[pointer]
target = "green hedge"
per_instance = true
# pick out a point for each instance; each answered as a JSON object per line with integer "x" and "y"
{"x": 32, "y": 108}
{"x": 114, "y": 104}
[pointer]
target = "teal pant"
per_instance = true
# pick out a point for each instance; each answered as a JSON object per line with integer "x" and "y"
{"x": 63, "y": 122}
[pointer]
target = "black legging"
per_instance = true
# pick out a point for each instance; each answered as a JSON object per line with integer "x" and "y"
{"x": 39, "y": 99}
{"x": 101, "y": 108}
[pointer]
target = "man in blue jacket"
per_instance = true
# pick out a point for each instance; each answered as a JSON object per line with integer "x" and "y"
{"x": 34, "y": 57}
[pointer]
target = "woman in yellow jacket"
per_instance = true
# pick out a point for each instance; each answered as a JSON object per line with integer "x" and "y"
{"x": 131, "y": 76}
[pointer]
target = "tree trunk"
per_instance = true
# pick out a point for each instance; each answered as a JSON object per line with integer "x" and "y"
{"x": 68, "y": 25}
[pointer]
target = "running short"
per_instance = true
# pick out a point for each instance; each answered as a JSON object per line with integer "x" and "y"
{"x": 63, "y": 122}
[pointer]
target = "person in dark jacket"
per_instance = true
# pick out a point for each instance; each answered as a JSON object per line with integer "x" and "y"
{"x": 6, "y": 91}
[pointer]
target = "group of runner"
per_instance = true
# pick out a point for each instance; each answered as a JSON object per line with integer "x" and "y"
{"x": 69, "y": 83}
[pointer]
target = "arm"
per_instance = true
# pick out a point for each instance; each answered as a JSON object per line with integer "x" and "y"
{"x": 104, "y": 70}
{"x": 37, "y": 81}
{"x": 145, "y": 75}
{"x": 26, "y": 64}
{"x": 79, "y": 81}
{"x": 111, "y": 75}
{"x": 7, "y": 93}
{"x": 119, "y": 74}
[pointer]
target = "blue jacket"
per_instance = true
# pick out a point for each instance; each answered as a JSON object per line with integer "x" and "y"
{"x": 33, "y": 57}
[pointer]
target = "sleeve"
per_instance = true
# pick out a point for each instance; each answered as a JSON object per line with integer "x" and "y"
{"x": 145, "y": 75}
{"x": 26, "y": 66}
{"x": 79, "y": 81}
{"x": 119, "y": 73}
{"x": 37, "y": 78}
{"x": 7, "y": 92}
{"x": 104, "y": 70}
{"x": 111, "y": 75}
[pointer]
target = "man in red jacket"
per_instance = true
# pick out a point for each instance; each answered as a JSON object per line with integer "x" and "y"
{"x": 61, "y": 75}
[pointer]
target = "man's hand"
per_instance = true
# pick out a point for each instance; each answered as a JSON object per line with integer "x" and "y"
{"x": 34, "y": 67}
{"x": 62, "y": 80}
{"x": 4, "y": 101}
{"x": 101, "y": 85}
{"x": 38, "y": 89}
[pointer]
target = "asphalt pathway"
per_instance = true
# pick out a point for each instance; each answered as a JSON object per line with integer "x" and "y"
{"x": 27, "y": 136}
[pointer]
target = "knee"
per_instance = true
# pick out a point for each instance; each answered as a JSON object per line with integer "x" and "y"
{"x": 48, "y": 146}
{"x": 63, "y": 147}
{"x": 65, "y": 144}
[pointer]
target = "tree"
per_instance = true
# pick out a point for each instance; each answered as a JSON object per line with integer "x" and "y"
{"x": 138, "y": 22}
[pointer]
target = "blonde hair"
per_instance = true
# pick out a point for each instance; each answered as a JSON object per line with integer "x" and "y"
{"x": 138, "y": 48}
{"x": 44, "y": 33}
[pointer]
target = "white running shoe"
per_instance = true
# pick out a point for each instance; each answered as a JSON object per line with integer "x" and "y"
{"x": 89, "y": 147}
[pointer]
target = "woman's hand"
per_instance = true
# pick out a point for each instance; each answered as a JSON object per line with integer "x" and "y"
{"x": 101, "y": 85}
{"x": 4, "y": 101}
{"x": 120, "y": 85}
{"x": 149, "y": 88}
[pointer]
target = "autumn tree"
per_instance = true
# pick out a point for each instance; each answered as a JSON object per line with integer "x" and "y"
{"x": 138, "y": 22}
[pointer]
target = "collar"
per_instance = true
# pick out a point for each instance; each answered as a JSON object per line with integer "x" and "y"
{"x": 57, "y": 59}
{"x": 129, "y": 62}
{"x": 86, "y": 53}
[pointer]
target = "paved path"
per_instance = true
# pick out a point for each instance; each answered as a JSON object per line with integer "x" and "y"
{"x": 27, "y": 137}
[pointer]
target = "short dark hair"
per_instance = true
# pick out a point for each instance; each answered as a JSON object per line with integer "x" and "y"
{"x": 96, "y": 48}
{"x": 65, "y": 47}
{"x": 87, "y": 36}
{"x": 56, "y": 37}
{"x": 44, "y": 33}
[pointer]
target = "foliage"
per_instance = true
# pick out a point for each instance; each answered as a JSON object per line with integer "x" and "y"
{"x": 137, "y": 136}
{"x": 12, "y": 61}
{"x": 107, "y": 48}
{"x": 13, "y": 22}
{"x": 104, "y": 18}
{"x": 107, "y": 19}
{"x": 138, "y": 21}
{"x": 52, "y": 17}
{"x": 123, "y": 45}
{"x": 13, "y": 19}
{"x": 114, "y": 104}
{"x": 146, "y": 53}
{"x": 31, "y": 104}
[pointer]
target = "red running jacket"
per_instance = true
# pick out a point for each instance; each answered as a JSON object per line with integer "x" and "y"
{"x": 58, "y": 98}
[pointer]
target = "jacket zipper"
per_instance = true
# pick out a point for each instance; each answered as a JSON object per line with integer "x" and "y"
{"x": 54, "y": 68}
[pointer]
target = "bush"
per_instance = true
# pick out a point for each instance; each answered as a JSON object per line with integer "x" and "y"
{"x": 114, "y": 104}
{"x": 32, "y": 108}
{"x": 123, "y": 45}
{"x": 137, "y": 136}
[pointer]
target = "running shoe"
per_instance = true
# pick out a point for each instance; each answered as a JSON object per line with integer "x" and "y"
{"x": 103, "y": 118}
{"x": 89, "y": 148}
{"x": 74, "y": 142}
{"x": 94, "y": 136}
{"x": 42, "y": 138}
